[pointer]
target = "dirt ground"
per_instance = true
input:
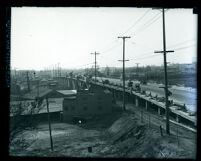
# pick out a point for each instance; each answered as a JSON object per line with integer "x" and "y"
{"x": 121, "y": 134}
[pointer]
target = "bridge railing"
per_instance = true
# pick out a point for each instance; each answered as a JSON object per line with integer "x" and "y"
{"x": 176, "y": 108}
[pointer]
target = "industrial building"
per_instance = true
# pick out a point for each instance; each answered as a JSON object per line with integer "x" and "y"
{"x": 87, "y": 103}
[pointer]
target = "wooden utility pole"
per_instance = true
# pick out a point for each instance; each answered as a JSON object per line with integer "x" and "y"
{"x": 28, "y": 84}
{"x": 123, "y": 38}
{"x": 50, "y": 130}
{"x": 55, "y": 70}
{"x": 38, "y": 88}
{"x": 52, "y": 72}
{"x": 137, "y": 69}
{"x": 58, "y": 72}
{"x": 165, "y": 73}
{"x": 15, "y": 76}
{"x": 95, "y": 53}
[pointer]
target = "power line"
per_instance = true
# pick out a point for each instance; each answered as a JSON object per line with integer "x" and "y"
{"x": 151, "y": 52}
{"x": 85, "y": 64}
{"x": 149, "y": 23}
{"x": 145, "y": 54}
{"x": 138, "y": 20}
{"x": 144, "y": 46}
{"x": 152, "y": 19}
{"x": 185, "y": 47}
{"x": 146, "y": 57}
{"x": 180, "y": 43}
{"x": 111, "y": 48}
{"x": 181, "y": 48}
{"x": 109, "y": 44}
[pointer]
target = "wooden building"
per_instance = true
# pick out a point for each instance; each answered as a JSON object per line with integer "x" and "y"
{"x": 86, "y": 104}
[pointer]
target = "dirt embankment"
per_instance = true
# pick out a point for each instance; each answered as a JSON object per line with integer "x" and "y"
{"x": 116, "y": 135}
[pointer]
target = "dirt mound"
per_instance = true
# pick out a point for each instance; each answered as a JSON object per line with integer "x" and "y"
{"x": 127, "y": 137}
{"x": 132, "y": 139}
{"x": 125, "y": 121}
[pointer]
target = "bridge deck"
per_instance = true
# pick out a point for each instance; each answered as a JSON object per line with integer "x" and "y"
{"x": 151, "y": 100}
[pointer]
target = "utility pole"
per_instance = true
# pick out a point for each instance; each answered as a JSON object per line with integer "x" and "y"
{"x": 37, "y": 84}
{"x": 15, "y": 76}
{"x": 38, "y": 88}
{"x": 58, "y": 70}
{"x": 123, "y": 38}
{"x": 34, "y": 74}
{"x": 95, "y": 53}
{"x": 165, "y": 74}
{"x": 53, "y": 72}
{"x": 28, "y": 85}
{"x": 50, "y": 130}
{"x": 137, "y": 69}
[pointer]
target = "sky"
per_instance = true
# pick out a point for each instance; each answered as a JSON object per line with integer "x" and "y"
{"x": 42, "y": 38}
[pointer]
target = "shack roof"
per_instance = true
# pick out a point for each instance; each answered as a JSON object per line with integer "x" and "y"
{"x": 50, "y": 93}
{"x": 18, "y": 98}
{"x": 67, "y": 92}
{"x": 34, "y": 93}
{"x": 70, "y": 98}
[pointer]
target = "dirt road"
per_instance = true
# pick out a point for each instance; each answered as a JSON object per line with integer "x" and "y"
{"x": 106, "y": 135}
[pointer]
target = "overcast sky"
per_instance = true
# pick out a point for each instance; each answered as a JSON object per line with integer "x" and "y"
{"x": 43, "y": 37}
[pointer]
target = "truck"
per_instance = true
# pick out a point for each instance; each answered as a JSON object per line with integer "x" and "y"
{"x": 130, "y": 84}
{"x": 106, "y": 81}
{"x": 137, "y": 87}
